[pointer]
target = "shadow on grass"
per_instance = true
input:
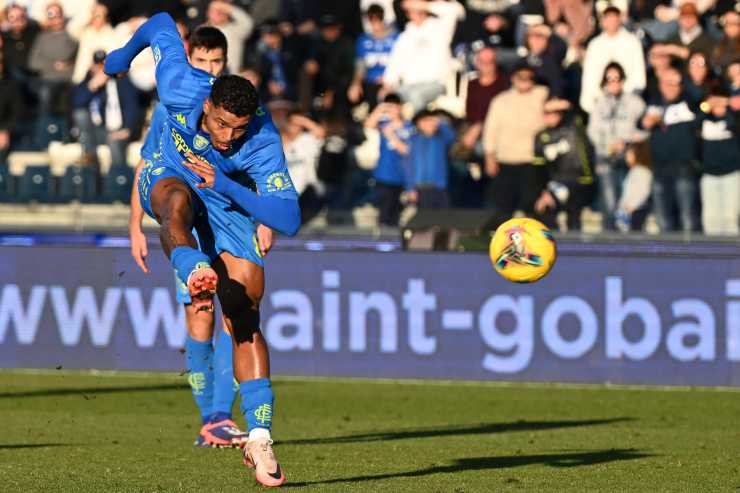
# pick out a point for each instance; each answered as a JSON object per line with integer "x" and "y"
{"x": 575, "y": 459}
{"x": 13, "y": 446}
{"x": 481, "y": 429}
{"x": 87, "y": 391}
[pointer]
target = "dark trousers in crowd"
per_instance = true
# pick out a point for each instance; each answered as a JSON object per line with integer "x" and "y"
{"x": 516, "y": 187}
{"x": 310, "y": 203}
{"x": 579, "y": 197}
{"x": 432, "y": 198}
{"x": 388, "y": 202}
{"x": 91, "y": 136}
{"x": 675, "y": 196}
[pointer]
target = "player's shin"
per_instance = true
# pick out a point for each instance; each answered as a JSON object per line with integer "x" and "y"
{"x": 225, "y": 387}
{"x": 199, "y": 358}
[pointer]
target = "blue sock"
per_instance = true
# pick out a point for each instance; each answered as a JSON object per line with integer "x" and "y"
{"x": 185, "y": 259}
{"x": 199, "y": 358}
{"x": 224, "y": 390}
{"x": 257, "y": 403}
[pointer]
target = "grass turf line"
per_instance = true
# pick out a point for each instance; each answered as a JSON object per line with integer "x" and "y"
{"x": 80, "y": 432}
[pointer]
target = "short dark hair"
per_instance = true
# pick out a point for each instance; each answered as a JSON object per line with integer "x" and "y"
{"x": 392, "y": 98}
{"x": 611, "y": 9}
{"x": 235, "y": 94}
{"x": 208, "y": 38}
{"x": 375, "y": 10}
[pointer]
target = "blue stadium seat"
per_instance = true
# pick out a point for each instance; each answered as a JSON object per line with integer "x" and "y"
{"x": 36, "y": 184}
{"x": 117, "y": 184}
{"x": 78, "y": 183}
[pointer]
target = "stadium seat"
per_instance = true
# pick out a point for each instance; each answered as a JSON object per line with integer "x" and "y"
{"x": 77, "y": 183}
{"x": 117, "y": 184}
{"x": 6, "y": 181}
{"x": 36, "y": 184}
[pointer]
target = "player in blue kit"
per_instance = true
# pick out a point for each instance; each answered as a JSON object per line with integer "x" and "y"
{"x": 218, "y": 124}
{"x": 213, "y": 388}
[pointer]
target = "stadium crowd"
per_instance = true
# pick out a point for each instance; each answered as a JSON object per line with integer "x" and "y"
{"x": 514, "y": 105}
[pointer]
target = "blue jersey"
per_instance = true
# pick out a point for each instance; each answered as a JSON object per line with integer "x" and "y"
{"x": 390, "y": 169}
{"x": 151, "y": 143}
{"x": 374, "y": 53}
{"x": 255, "y": 160}
{"x": 428, "y": 161}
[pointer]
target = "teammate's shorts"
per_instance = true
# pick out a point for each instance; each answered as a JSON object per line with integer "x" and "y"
{"x": 218, "y": 228}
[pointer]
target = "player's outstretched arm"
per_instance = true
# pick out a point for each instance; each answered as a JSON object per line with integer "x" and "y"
{"x": 280, "y": 214}
{"x": 118, "y": 61}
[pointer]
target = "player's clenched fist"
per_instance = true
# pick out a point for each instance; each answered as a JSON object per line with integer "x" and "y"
{"x": 204, "y": 170}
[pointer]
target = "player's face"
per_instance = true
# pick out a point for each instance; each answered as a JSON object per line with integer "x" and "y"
{"x": 211, "y": 61}
{"x": 224, "y": 127}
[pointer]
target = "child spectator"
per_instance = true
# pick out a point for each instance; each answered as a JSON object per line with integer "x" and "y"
{"x": 632, "y": 208}
{"x": 564, "y": 156}
{"x": 673, "y": 125}
{"x": 428, "y": 161}
{"x": 613, "y": 121}
{"x": 720, "y": 184}
{"x": 389, "y": 174}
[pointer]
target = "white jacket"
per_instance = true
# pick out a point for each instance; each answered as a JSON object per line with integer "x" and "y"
{"x": 422, "y": 52}
{"x": 623, "y": 48}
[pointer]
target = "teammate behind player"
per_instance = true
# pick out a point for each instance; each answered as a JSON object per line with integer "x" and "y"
{"x": 210, "y": 371}
{"x": 219, "y": 125}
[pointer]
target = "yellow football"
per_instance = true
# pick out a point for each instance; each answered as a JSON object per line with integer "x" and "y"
{"x": 523, "y": 250}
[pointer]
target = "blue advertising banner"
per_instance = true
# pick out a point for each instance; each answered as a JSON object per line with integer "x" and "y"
{"x": 601, "y": 316}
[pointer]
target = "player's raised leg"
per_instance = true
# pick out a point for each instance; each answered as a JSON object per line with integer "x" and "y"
{"x": 173, "y": 205}
{"x": 240, "y": 290}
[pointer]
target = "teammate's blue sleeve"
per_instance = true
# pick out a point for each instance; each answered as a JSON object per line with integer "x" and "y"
{"x": 156, "y": 126}
{"x": 180, "y": 86}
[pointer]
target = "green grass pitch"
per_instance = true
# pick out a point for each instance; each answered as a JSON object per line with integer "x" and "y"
{"x": 74, "y": 431}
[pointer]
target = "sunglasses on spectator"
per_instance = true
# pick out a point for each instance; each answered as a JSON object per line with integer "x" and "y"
{"x": 698, "y": 62}
{"x": 52, "y": 14}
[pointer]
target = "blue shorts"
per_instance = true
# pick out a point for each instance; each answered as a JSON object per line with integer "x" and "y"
{"x": 219, "y": 226}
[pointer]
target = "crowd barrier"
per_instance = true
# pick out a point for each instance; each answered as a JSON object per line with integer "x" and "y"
{"x": 627, "y": 313}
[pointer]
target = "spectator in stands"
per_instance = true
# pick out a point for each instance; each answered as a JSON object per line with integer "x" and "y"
{"x": 11, "y": 108}
{"x": 420, "y": 62}
{"x": 509, "y": 142}
{"x": 77, "y": 13}
{"x": 389, "y": 14}
{"x": 97, "y": 35}
{"x": 17, "y": 42}
{"x": 720, "y": 184}
{"x": 52, "y": 57}
{"x": 371, "y": 57}
{"x": 673, "y": 124}
{"x": 545, "y": 52}
{"x": 699, "y": 79}
{"x": 491, "y": 81}
{"x": 565, "y": 158}
{"x": 428, "y": 162}
{"x": 331, "y": 66}
{"x": 302, "y": 141}
{"x": 299, "y": 16}
{"x": 732, "y": 83}
{"x": 236, "y": 26}
{"x": 728, "y": 48}
{"x": 614, "y": 44}
{"x": 389, "y": 173}
{"x": 658, "y": 61}
{"x": 632, "y": 208}
{"x": 488, "y": 24}
{"x": 612, "y": 124}
{"x": 278, "y": 64}
{"x": 577, "y": 14}
{"x": 655, "y": 17}
{"x": 691, "y": 36}
{"x": 106, "y": 111}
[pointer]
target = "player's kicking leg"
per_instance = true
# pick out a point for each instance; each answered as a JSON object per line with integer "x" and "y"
{"x": 173, "y": 205}
{"x": 240, "y": 290}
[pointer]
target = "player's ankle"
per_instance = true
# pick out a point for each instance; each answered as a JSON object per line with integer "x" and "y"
{"x": 259, "y": 434}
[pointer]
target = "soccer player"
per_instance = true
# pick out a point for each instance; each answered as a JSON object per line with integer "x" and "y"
{"x": 213, "y": 388}
{"x": 217, "y": 141}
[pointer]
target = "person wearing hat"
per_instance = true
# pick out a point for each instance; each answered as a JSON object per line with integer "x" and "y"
{"x": 614, "y": 44}
{"x": 513, "y": 120}
{"x": 691, "y": 36}
{"x": 563, "y": 160}
{"x": 545, "y": 52}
